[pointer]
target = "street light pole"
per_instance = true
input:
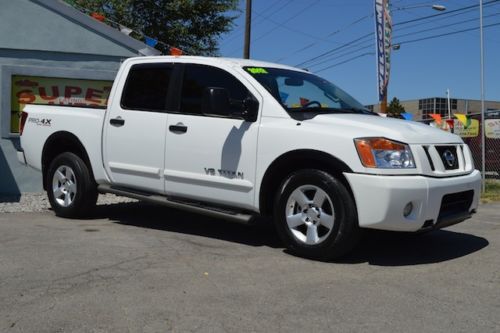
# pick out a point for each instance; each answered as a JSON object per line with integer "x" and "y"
{"x": 483, "y": 140}
{"x": 449, "y": 103}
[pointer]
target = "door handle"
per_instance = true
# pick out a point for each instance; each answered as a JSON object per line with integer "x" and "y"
{"x": 117, "y": 121}
{"x": 178, "y": 129}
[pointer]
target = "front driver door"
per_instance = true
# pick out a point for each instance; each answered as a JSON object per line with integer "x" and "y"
{"x": 211, "y": 157}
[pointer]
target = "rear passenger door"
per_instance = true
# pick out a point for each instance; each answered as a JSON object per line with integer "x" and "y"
{"x": 211, "y": 157}
{"x": 135, "y": 128}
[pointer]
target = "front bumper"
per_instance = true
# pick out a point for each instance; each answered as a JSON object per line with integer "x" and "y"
{"x": 437, "y": 202}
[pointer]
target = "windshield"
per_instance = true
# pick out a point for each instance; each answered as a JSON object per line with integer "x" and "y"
{"x": 300, "y": 92}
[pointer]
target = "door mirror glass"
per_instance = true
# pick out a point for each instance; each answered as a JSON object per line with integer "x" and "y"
{"x": 215, "y": 101}
{"x": 250, "y": 109}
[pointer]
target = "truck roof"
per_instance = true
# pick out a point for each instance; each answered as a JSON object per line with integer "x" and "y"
{"x": 218, "y": 60}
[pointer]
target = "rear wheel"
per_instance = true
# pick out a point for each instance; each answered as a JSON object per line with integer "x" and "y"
{"x": 70, "y": 188}
{"x": 315, "y": 215}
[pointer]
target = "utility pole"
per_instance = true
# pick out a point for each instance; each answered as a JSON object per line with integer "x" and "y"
{"x": 483, "y": 139}
{"x": 248, "y": 24}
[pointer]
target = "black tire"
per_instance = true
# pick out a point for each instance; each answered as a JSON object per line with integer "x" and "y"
{"x": 83, "y": 194}
{"x": 338, "y": 207}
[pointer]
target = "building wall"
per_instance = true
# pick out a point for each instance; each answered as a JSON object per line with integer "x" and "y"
{"x": 465, "y": 106}
{"x": 36, "y": 41}
{"x": 26, "y": 25}
{"x": 14, "y": 177}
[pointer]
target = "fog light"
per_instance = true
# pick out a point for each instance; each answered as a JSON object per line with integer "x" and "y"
{"x": 408, "y": 209}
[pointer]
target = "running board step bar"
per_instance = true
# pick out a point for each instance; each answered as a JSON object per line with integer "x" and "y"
{"x": 216, "y": 212}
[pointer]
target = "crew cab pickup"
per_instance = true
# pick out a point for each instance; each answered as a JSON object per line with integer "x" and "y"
{"x": 236, "y": 139}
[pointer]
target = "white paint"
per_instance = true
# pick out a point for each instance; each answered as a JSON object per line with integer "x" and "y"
{"x": 144, "y": 154}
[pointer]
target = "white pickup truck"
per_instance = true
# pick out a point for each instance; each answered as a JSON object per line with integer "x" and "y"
{"x": 237, "y": 138}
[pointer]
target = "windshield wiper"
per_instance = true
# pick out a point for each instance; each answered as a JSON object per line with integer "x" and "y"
{"x": 309, "y": 109}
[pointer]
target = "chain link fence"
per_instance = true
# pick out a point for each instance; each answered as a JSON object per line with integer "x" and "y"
{"x": 472, "y": 135}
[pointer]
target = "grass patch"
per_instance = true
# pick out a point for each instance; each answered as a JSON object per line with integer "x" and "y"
{"x": 492, "y": 193}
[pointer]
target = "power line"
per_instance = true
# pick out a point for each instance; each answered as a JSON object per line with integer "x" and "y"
{"x": 332, "y": 51}
{"x": 293, "y": 30}
{"x": 345, "y": 61}
{"x": 273, "y": 29}
{"x": 447, "y": 34}
{"x": 309, "y": 6}
{"x": 445, "y": 26}
{"x": 364, "y": 46}
{"x": 335, "y": 49}
{"x": 233, "y": 33}
{"x": 411, "y": 41}
{"x": 444, "y": 13}
{"x": 329, "y": 35}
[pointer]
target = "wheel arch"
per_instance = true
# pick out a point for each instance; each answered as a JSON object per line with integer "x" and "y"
{"x": 58, "y": 143}
{"x": 292, "y": 161}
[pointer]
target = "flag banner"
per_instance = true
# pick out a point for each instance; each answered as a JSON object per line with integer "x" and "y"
{"x": 125, "y": 30}
{"x": 98, "y": 17}
{"x": 463, "y": 119}
{"x": 472, "y": 131}
{"x": 436, "y": 117}
{"x": 150, "y": 41}
{"x": 407, "y": 116}
{"x": 383, "y": 28}
{"x": 175, "y": 51}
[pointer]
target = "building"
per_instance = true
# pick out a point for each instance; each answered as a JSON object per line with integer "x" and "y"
{"x": 51, "y": 53}
{"x": 421, "y": 108}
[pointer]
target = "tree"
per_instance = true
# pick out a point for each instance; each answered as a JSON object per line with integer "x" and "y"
{"x": 191, "y": 25}
{"x": 394, "y": 109}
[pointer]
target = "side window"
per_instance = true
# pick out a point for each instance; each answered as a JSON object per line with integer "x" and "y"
{"x": 199, "y": 77}
{"x": 146, "y": 87}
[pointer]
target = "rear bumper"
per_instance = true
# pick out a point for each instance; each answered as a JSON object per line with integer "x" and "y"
{"x": 437, "y": 202}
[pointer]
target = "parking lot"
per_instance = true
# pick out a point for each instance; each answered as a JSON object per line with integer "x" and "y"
{"x": 140, "y": 268}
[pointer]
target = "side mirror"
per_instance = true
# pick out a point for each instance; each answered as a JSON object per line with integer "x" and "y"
{"x": 250, "y": 109}
{"x": 215, "y": 101}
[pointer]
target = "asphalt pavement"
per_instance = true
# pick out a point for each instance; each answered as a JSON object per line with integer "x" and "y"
{"x": 140, "y": 268}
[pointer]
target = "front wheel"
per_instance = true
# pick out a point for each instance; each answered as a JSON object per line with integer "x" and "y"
{"x": 71, "y": 190}
{"x": 315, "y": 215}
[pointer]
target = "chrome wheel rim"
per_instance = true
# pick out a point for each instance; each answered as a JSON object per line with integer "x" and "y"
{"x": 64, "y": 186}
{"x": 310, "y": 214}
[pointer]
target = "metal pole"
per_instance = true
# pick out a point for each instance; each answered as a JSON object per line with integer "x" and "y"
{"x": 483, "y": 140}
{"x": 248, "y": 23}
{"x": 449, "y": 103}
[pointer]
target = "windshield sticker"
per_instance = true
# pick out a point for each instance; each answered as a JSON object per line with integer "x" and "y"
{"x": 257, "y": 70}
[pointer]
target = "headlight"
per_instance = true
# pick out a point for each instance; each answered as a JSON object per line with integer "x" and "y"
{"x": 384, "y": 153}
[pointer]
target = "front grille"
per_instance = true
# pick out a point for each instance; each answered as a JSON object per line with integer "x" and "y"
{"x": 456, "y": 203}
{"x": 449, "y": 156}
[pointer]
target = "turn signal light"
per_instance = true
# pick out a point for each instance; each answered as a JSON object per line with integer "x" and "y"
{"x": 383, "y": 153}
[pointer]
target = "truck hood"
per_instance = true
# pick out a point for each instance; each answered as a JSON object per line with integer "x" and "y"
{"x": 358, "y": 125}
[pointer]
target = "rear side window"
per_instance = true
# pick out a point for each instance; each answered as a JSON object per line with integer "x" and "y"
{"x": 199, "y": 77}
{"x": 146, "y": 87}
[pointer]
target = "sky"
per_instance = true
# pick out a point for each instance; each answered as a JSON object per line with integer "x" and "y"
{"x": 295, "y": 31}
